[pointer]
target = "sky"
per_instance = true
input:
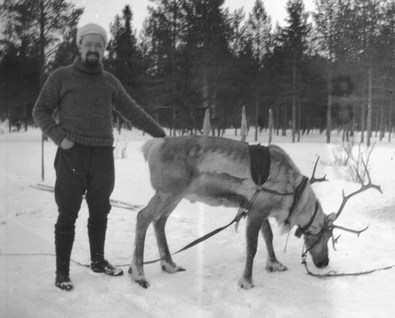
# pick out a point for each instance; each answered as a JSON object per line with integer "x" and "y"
{"x": 103, "y": 11}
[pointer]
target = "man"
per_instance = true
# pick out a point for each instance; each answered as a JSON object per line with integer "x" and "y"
{"x": 83, "y": 94}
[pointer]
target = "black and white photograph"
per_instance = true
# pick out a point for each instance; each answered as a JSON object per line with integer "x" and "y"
{"x": 197, "y": 158}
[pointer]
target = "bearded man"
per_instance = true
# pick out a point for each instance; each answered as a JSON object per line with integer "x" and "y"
{"x": 84, "y": 96}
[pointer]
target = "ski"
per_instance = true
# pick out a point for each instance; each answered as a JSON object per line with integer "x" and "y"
{"x": 114, "y": 203}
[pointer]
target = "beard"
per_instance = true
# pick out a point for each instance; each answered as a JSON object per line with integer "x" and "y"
{"x": 92, "y": 59}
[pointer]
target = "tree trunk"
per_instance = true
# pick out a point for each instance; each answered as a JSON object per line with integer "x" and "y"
{"x": 271, "y": 125}
{"x": 216, "y": 116}
{"x": 243, "y": 126}
{"x": 352, "y": 125}
{"x": 41, "y": 75}
{"x": 369, "y": 116}
{"x": 293, "y": 98}
{"x": 205, "y": 90}
{"x": 382, "y": 128}
{"x": 299, "y": 119}
{"x": 257, "y": 106}
{"x": 363, "y": 117}
{"x": 206, "y": 123}
{"x": 285, "y": 119}
{"x": 174, "y": 68}
{"x": 277, "y": 124}
{"x": 389, "y": 119}
{"x": 329, "y": 105}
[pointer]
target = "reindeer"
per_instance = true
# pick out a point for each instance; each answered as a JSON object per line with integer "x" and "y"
{"x": 216, "y": 171}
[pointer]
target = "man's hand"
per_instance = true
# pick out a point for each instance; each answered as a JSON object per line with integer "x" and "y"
{"x": 66, "y": 143}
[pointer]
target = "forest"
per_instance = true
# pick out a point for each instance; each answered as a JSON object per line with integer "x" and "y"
{"x": 330, "y": 69}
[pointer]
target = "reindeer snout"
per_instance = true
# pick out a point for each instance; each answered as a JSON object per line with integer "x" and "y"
{"x": 322, "y": 263}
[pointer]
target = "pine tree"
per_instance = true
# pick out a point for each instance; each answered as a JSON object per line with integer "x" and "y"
{"x": 294, "y": 41}
{"x": 259, "y": 30}
{"x": 206, "y": 47}
{"x": 123, "y": 58}
{"x": 33, "y": 29}
{"x": 325, "y": 18}
{"x": 163, "y": 35}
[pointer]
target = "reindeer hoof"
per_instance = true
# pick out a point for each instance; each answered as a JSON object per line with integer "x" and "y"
{"x": 245, "y": 283}
{"x": 142, "y": 282}
{"x": 275, "y": 267}
{"x": 172, "y": 268}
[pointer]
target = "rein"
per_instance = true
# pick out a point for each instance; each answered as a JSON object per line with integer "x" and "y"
{"x": 334, "y": 273}
{"x": 300, "y": 231}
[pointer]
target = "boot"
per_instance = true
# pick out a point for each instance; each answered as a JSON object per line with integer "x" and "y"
{"x": 63, "y": 245}
{"x": 63, "y": 281}
{"x": 97, "y": 234}
{"x": 103, "y": 266}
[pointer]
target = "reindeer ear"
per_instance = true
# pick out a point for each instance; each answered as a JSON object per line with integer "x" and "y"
{"x": 330, "y": 218}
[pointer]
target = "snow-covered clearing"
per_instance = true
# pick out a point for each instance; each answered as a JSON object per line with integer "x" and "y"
{"x": 209, "y": 286}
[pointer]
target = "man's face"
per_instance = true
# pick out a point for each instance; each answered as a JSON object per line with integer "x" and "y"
{"x": 92, "y": 49}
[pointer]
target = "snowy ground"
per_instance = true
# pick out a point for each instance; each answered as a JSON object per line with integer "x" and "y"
{"x": 209, "y": 286}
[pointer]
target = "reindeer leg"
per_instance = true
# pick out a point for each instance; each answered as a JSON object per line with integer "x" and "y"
{"x": 272, "y": 264}
{"x": 159, "y": 225}
{"x": 254, "y": 222}
{"x": 144, "y": 218}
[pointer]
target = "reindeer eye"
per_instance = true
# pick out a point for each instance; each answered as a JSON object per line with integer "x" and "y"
{"x": 329, "y": 225}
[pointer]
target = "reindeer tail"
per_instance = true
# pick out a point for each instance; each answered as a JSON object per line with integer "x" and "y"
{"x": 151, "y": 146}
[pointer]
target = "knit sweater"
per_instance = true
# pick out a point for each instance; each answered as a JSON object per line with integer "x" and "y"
{"x": 84, "y": 99}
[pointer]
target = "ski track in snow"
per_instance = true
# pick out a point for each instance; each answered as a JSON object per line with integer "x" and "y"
{"x": 209, "y": 286}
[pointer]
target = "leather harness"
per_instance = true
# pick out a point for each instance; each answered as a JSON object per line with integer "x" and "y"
{"x": 259, "y": 163}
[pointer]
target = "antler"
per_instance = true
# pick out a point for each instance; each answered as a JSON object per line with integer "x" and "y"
{"x": 363, "y": 188}
{"x": 349, "y": 230}
{"x": 313, "y": 179}
{"x": 334, "y": 241}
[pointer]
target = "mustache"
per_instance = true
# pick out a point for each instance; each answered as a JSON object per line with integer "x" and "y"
{"x": 93, "y": 54}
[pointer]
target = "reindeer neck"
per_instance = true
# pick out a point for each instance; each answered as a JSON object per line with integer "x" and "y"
{"x": 298, "y": 192}
{"x": 304, "y": 228}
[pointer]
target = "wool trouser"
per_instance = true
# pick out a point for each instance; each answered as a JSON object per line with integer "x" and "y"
{"x": 82, "y": 170}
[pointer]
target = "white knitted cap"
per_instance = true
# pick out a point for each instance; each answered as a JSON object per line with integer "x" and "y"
{"x": 91, "y": 28}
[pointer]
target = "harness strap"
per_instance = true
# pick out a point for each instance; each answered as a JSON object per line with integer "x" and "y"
{"x": 260, "y": 161}
{"x": 298, "y": 193}
{"x": 300, "y": 230}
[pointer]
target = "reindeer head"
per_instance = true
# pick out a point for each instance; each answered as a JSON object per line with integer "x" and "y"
{"x": 316, "y": 233}
{"x": 316, "y": 242}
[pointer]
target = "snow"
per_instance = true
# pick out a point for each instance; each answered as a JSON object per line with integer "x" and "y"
{"x": 208, "y": 288}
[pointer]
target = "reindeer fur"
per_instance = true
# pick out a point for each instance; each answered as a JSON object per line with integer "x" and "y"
{"x": 216, "y": 171}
